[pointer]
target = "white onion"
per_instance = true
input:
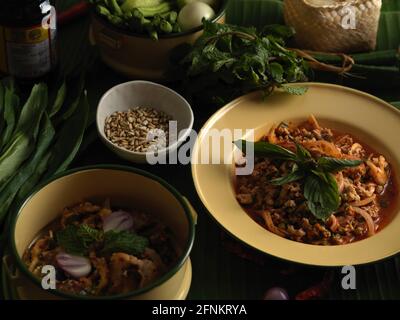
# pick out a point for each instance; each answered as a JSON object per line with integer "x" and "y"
{"x": 75, "y": 266}
{"x": 211, "y": 3}
{"x": 118, "y": 221}
{"x": 192, "y": 14}
{"x": 276, "y": 293}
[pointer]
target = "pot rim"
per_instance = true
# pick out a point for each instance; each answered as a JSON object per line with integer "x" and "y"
{"x": 179, "y": 264}
{"x": 109, "y": 25}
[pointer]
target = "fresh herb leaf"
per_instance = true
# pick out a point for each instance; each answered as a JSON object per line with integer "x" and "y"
{"x": 320, "y": 186}
{"x": 322, "y": 195}
{"x": 268, "y": 150}
{"x": 88, "y": 235}
{"x": 70, "y": 241}
{"x": 228, "y": 61}
{"x": 334, "y": 165}
{"x": 277, "y": 71}
{"x": 78, "y": 240}
{"x": 124, "y": 241}
{"x": 295, "y": 175}
{"x": 295, "y": 90}
{"x": 320, "y": 174}
{"x": 279, "y": 30}
{"x": 302, "y": 153}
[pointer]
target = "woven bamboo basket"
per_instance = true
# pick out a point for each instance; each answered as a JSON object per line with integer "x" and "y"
{"x": 334, "y": 25}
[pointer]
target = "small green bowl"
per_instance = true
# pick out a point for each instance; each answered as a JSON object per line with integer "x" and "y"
{"x": 125, "y": 187}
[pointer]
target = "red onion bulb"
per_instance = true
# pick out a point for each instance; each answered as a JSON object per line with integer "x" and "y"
{"x": 118, "y": 221}
{"x": 276, "y": 293}
{"x": 75, "y": 266}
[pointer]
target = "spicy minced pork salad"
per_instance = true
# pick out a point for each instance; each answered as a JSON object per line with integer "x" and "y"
{"x": 315, "y": 185}
{"x": 99, "y": 250}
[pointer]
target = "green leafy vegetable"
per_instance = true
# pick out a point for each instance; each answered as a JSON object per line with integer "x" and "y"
{"x": 69, "y": 138}
{"x": 78, "y": 240}
{"x": 278, "y": 30}
{"x": 295, "y": 90}
{"x": 23, "y": 140}
{"x": 71, "y": 242}
{"x": 320, "y": 187}
{"x": 8, "y": 194}
{"x": 322, "y": 195}
{"x": 27, "y": 152}
{"x": 33, "y": 109}
{"x": 71, "y": 98}
{"x": 228, "y": 61}
{"x": 295, "y": 175}
{"x": 17, "y": 152}
{"x": 58, "y": 100}
{"x": 124, "y": 241}
{"x": 11, "y": 103}
{"x": 334, "y": 165}
{"x": 302, "y": 153}
{"x": 89, "y": 235}
{"x": 34, "y": 179}
{"x": 265, "y": 149}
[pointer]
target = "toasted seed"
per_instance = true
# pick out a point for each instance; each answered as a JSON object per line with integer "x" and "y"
{"x": 129, "y": 129}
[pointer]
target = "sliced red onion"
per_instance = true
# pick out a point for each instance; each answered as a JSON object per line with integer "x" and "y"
{"x": 276, "y": 293}
{"x": 118, "y": 221}
{"x": 75, "y": 266}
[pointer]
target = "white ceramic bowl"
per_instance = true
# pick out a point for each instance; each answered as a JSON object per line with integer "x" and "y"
{"x": 144, "y": 94}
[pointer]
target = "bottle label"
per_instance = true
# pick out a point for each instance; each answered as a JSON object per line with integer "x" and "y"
{"x": 27, "y": 52}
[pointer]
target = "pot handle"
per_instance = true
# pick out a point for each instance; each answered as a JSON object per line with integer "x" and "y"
{"x": 92, "y": 41}
{"x": 14, "y": 277}
{"x": 191, "y": 209}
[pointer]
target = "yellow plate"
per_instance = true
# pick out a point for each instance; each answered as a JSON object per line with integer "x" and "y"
{"x": 372, "y": 120}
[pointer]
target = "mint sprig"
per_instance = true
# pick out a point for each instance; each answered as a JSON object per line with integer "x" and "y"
{"x": 71, "y": 241}
{"x": 78, "y": 240}
{"x": 320, "y": 188}
{"x": 124, "y": 241}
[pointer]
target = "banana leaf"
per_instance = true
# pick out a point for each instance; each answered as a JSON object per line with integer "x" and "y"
{"x": 255, "y": 13}
{"x": 396, "y": 104}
